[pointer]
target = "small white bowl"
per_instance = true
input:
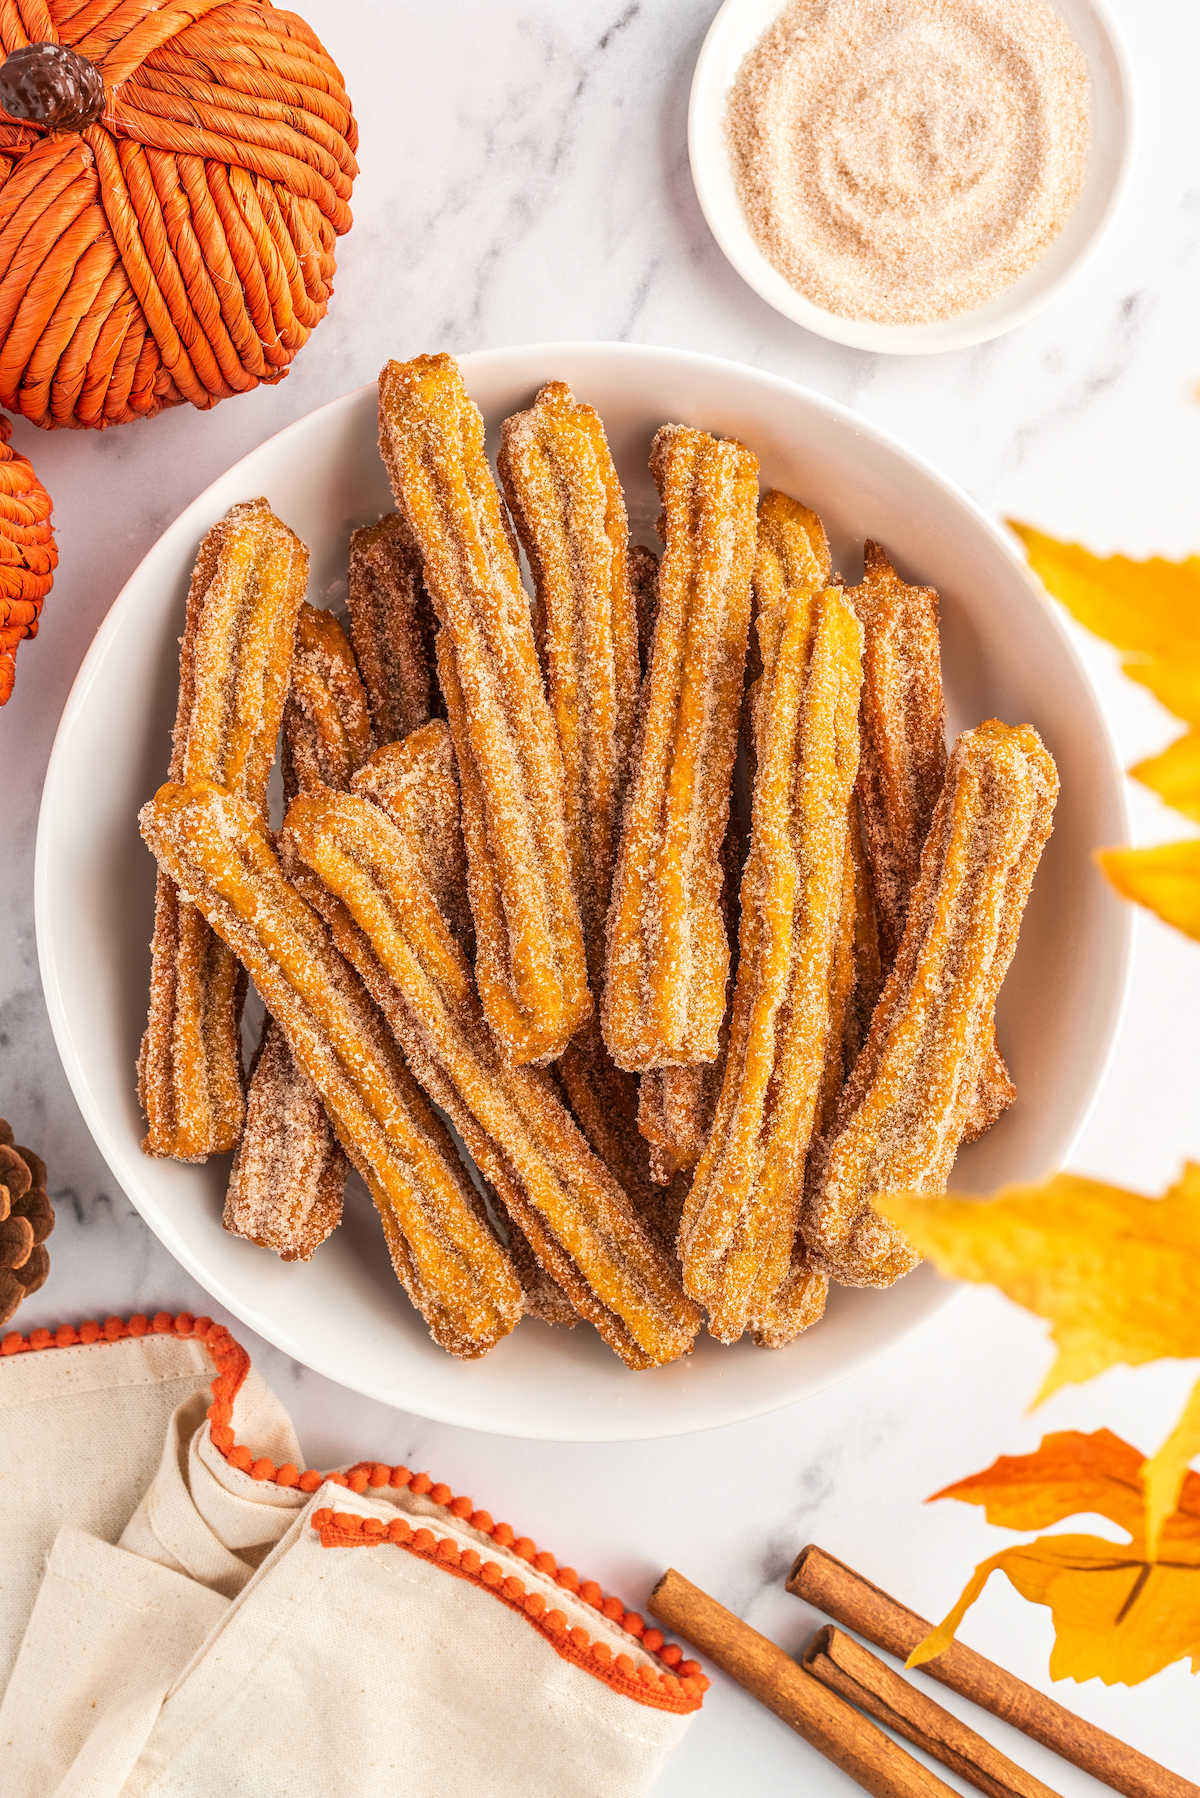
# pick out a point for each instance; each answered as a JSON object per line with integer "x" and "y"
{"x": 735, "y": 31}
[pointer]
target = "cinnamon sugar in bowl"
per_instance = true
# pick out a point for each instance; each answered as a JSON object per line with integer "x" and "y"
{"x": 907, "y": 160}
{"x": 910, "y": 175}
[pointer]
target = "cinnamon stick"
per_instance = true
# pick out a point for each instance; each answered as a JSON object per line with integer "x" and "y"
{"x": 826, "y": 1722}
{"x": 846, "y": 1667}
{"x": 853, "y": 1601}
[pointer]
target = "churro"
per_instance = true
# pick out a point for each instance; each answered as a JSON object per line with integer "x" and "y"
{"x": 289, "y": 1173}
{"x": 578, "y": 1221}
{"x": 668, "y": 951}
{"x": 903, "y": 765}
{"x": 569, "y": 512}
{"x": 741, "y": 1218}
{"x": 416, "y": 784}
{"x": 530, "y": 965}
{"x": 326, "y": 725}
{"x": 214, "y": 845}
{"x": 234, "y": 666}
{"x": 677, "y": 1105}
{"x": 903, "y": 1112}
{"x": 392, "y": 627}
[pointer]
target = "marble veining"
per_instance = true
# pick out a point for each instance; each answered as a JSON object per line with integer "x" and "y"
{"x": 524, "y": 178}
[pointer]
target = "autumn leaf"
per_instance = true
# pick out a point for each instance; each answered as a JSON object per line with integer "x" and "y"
{"x": 1148, "y": 610}
{"x": 1166, "y": 880}
{"x": 1121, "y": 1611}
{"x": 1115, "y": 1274}
{"x": 1151, "y": 612}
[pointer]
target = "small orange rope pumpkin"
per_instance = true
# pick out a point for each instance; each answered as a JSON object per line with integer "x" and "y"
{"x": 181, "y": 245}
{"x": 27, "y": 554}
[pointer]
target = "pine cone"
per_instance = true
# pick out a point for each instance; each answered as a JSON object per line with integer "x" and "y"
{"x": 26, "y": 1219}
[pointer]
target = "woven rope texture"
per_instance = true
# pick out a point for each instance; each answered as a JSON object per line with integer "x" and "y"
{"x": 182, "y": 247}
{"x": 27, "y": 554}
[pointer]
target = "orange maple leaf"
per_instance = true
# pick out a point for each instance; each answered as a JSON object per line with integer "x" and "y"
{"x": 1151, "y": 612}
{"x": 1122, "y": 1611}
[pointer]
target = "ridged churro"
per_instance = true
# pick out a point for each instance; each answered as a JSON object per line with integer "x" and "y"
{"x": 566, "y": 503}
{"x": 580, "y": 1224}
{"x": 903, "y": 1113}
{"x": 392, "y": 627}
{"x": 903, "y": 765}
{"x": 741, "y": 1218}
{"x": 234, "y": 666}
{"x": 326, "y": 725}
{"x": 289, "y": 1173}
{"x": 677, "y": 1105}
{"x": 214, "y": 846}
{"x": 530, "y": 965}
{"x": 668, "y": 952}
{"x": 416, "y": 783}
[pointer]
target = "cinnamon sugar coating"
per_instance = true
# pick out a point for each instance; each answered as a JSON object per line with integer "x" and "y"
{"x": 668, "y": 951}
{"x": 531, "y": 966}
{"x": 741, "y": 1219}
{"x": 327, "y": 732}
{"x": 392, "y": 627}
{"x": 579, "y": 1223}
{"x": 234, "y": 667}
{"x": 903, "y": 765}
{"x": 903, "y": 1113}
{"x": 441, "y": 1244}
{"x": 569, "y": 511}
{"x": 416, "y": 783}
{"x": 289, "y": 1173}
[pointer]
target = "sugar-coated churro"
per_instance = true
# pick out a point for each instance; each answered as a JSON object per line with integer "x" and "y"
{"x": 566, "y": 503}
{"x": 416, "y": 784}
{"x": 741, "y": 1217}
{"x": 668, "y": 952}
{"x": 676, "y": 1105}
{"x": 530, "y": 966}
{"x": 215, "y": 847}
{"x": 326, "y": 725}
{"x": 579, "y": 1223}
{"x": 903, "y": 1112}
{"x": 903, "y": 765}
{"x": 289, "y": 1173}
{"x": 234, "y": 666}
{"x": 392, "y": 627}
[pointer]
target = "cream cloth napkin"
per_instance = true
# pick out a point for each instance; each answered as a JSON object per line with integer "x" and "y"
{"x": 186, "y": 1611}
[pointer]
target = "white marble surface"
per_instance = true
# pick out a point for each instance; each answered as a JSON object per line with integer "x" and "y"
{"x": 525, "y": 177}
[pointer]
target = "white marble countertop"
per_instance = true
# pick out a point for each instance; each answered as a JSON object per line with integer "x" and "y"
{"x": 524, "y": 178}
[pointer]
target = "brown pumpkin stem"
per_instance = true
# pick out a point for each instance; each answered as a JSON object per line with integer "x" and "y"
{"x": 48, "y": 84}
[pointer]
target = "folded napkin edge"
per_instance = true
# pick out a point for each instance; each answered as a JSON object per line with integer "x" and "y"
{"x": 679, "y": 1688}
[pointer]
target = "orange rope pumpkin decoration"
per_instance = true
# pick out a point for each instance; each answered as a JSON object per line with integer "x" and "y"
{"x": 27, "y": 554}
{"x": 180, "y": 245}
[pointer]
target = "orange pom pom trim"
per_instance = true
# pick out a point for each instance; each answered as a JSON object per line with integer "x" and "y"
{"x": 182, "y": 247}
{"x": 680, "y": 1688}
{"x": 28, "y": 553}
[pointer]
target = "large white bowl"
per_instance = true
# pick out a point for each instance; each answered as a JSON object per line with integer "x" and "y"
{"x": 735, "y": 31}
{"x": 343, "y": 1314}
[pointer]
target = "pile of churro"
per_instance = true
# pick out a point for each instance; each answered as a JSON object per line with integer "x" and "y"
{"x": 685, "y": 1026}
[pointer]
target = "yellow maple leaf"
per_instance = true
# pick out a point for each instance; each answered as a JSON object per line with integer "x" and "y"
{"x": 1116, "y": 1274}
{"x": 1166, "y": 880}
{"x": 1148, "y": 610}
{"x": 1151, "y": 612}
{"x": 1121, "y": 1611}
